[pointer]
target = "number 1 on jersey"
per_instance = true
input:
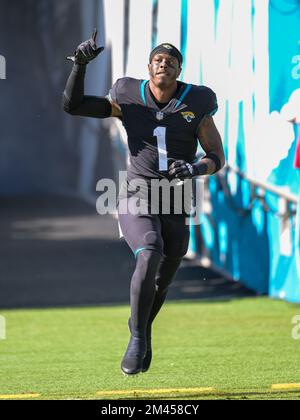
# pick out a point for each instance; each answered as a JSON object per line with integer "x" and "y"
{"x": 160, "y": 134}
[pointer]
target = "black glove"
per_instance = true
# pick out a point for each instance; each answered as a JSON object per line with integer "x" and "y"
{"x": 181, "y": 170}
{"x": 86, "y": 51}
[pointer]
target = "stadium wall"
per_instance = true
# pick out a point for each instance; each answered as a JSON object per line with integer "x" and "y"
{"x": 235, "y": 48}
{"x": 254, "y": 236}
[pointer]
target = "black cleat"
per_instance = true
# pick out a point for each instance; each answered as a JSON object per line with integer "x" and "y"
{"x": 132, "y": 362}
{"x": 148, "y": 356}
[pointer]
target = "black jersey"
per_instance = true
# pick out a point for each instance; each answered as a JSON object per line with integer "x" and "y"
{"x": 157, "y": 137}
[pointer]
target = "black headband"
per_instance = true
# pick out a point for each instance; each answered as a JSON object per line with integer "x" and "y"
{"x": 167, "y": 49}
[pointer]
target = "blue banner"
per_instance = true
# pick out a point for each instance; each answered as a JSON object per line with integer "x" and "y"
{"x": 284, "y": 53}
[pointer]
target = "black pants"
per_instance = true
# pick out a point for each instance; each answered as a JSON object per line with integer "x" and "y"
{"x": 159, "y": 242}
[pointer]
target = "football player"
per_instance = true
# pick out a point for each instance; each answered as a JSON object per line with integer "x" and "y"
{"x": 164, "y": 119}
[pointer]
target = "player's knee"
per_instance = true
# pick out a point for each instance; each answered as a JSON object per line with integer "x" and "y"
{"x": 167, "y": 272}
{"x": 177, "y": 249}
{"x": 152, "y": 240}
{"x": 177, "y": 253}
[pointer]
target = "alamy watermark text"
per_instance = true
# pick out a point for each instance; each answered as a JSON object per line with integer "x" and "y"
{"x": 2, "y": 67}
{"x": 2, "y": 328}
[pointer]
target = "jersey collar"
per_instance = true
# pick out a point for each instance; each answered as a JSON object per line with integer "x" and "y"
{"x": 174, "y": 104}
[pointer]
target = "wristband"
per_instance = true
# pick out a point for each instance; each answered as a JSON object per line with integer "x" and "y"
{"x": 212, "y": 156}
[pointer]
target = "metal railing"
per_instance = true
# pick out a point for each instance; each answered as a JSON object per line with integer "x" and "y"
{"x": 292, "y": 198}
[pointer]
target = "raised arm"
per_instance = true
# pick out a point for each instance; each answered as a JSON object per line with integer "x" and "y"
{"x": 74, "y": 100}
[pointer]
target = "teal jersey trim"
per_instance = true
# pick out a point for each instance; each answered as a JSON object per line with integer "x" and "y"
{"x": 143, "y": 85}
{"x": 186, "y": 91}
{"x": 212, "y": 113}
{"x": 138, "y": 250}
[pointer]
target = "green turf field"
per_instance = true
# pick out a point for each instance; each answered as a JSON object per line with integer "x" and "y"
{"x": 233, "y": 349}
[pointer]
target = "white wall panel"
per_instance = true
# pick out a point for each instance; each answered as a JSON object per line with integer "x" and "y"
{"x": 169, "y": 22}
{"x": 139, "y": 38}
